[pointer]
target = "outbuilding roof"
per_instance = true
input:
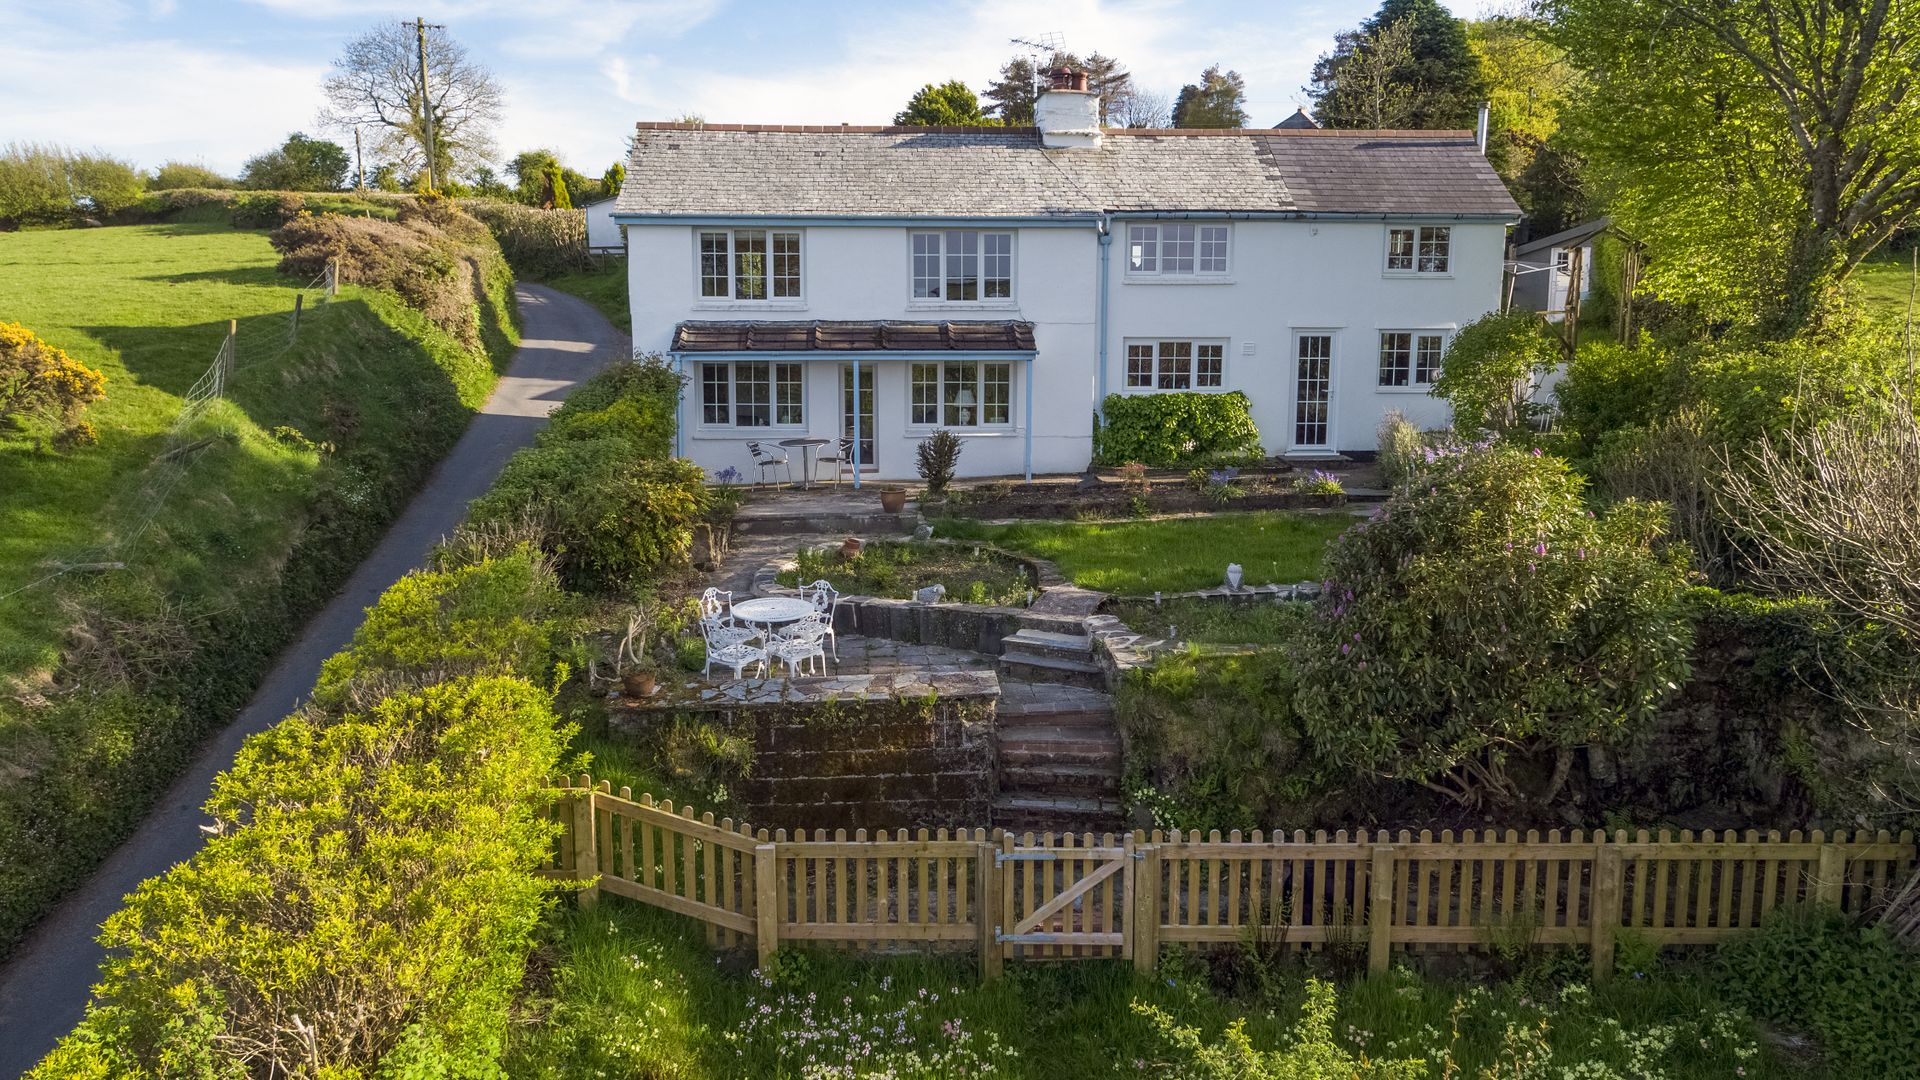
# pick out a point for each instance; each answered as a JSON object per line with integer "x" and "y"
{"x": 980, "y": 336}
{"x": 690, "y": 170}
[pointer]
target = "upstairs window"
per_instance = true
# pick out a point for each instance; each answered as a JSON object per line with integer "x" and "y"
{"x": 1177, "y": 250}
{"x": 961, "y": 266}
{"x": 1175, "y": 365}
{"x": 750, "y": 264}
{"x": 1410, "y": 357}
{"x": 1424, "y": 249}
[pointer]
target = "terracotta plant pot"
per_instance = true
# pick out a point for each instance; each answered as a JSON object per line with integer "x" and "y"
{"x": 637, "y": 683}
{"x": 893, "y": 500}
{"x": 850, "y": 547}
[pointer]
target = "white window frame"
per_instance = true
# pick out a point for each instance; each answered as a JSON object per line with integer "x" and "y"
{"x": 945, "y": 410}
{"x": 1413, "y": 385}
{"x": 1149, "y": 245}
{"x": 1162, "y": 377}
{"x": 731, "y": 261}
{"x": 935, "y": 244}
{"x": 1332, "y": 334}
{"x": 732, "y": 404}
{"x": 1419, "y": 236}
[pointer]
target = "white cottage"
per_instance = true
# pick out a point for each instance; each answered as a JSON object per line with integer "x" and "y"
{"x": 1002, "y": 282}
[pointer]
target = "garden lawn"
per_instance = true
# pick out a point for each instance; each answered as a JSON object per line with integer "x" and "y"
{"x": 1138, "y": 558}
{"x": 896, "y": 570}
{"x": 638, "y": 993}
{"x": 1212, "y": 622}
{"x": 1884, "y": 283}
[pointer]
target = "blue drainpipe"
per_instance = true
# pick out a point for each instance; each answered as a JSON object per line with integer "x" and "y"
{"x": 1100, "y": 376}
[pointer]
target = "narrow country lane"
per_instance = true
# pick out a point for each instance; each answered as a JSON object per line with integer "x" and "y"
{"x": 44, "y": 987}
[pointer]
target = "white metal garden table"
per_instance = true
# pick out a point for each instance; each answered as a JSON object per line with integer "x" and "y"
{"x": 772, "y": 611}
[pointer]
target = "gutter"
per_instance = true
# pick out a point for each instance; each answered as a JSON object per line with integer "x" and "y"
{"x": 1094, "y": 219}
{"x": 1100, "y": 371}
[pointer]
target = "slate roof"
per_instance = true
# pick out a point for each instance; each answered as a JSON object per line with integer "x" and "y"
{"x": 973, "y": 336}
{"x": 1579, "y": 234}
{"x": 800, "y": 171}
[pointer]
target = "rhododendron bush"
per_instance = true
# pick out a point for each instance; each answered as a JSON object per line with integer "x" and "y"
{"x": 1488, "y": 624}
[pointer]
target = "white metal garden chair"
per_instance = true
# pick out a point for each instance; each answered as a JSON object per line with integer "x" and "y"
{"x": 825, "y": 600}
{"x": 799, "y": 644}
{"x": 728, "y": 650}
{"x": 770, "y": 459}
{"x": 716, "y": 620}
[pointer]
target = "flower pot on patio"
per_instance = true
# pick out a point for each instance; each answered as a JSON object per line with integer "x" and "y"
{"x": 850, "y": 547}
{"x": 893, "y": 500}
{"x": 637, "y": 684}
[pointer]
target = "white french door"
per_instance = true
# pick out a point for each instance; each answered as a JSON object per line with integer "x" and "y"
{"x": 865, "y": 410}
{"x": 1312, "y": 390}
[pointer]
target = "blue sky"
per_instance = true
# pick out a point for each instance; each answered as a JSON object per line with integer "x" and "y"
{"x": 216, "y": 81}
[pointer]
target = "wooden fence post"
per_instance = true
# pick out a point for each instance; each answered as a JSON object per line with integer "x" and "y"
{"x": 1146, "y": 910}
{"x": 766, "y": 901}
{"x": 586, "y": 856}
{"x": 293, "y": 330}
{"x": 1832, "y": 881}
{"x": 1380, "y": 894}
{"x": 986, "y": 911}
{"x": 1604, "y": 904}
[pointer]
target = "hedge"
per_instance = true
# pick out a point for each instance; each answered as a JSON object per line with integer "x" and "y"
{"x": 368, "y": 906}
{"x": 1167, "y": 429}
{"x": 538, "y": 243}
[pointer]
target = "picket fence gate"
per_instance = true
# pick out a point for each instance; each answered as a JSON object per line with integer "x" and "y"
{"x": 1083, "y": 896}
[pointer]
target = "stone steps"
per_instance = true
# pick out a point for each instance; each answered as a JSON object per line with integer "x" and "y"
{"x": 1058, "y": 749}
{"x": 1061, "y": 778}
{"x": 1036, "y": 668}
{"x": 1035, "y": 745}
{"x": 1056, "y": 814}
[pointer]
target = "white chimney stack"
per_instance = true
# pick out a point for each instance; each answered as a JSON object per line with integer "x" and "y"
{"x": 1068, "y": 114}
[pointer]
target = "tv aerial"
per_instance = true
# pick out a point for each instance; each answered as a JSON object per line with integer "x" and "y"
{"x": 1039, "y": 48}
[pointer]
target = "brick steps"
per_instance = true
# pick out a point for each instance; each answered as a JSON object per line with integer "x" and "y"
{"x": 1059, "y": 751}
{"x": 1056, "y": 814}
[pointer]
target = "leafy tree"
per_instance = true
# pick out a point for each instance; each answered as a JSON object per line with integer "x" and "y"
{"x": 1528, "y": 80}
{"x": 376, "y": 83}
{"x": 950, "y": 104}
{"x": 1763, "y": 148}
{"x": 614, "y": 179}
{"x": 486, "y": 184}
{"x": 529, "y": 170}
{"x": 1490, "y": 371}
{"x": 1218, "y": 100}
{"x": 1143, "y": 108}
{"x": 1441, "y": 78}
{"x": 45, "y": 184}
{"x": 557, "y": 195}
{"x": 1375, "y": 89}
{"x": 1485, "y": 621}
{"x": 299, "y": 164}
{"x": 183, "y": 174}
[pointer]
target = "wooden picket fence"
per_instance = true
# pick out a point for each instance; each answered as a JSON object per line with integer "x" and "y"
{"x": 1081, "y": 896}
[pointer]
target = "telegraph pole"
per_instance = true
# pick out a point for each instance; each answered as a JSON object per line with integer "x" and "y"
{"x": 420, "y": 28}
{"x": 359, "y": 163}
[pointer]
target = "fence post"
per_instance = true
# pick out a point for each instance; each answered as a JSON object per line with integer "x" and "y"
{"x": 766, "y": 901}
{"x": 986, "y": 911}
{"x": 1380, "y": 907}
{"x": 1832, "y": 881}
{"x": 293, "y": 330}
{"x": 586, "y": 848}
{"x": 1604, "y": 904}
{"x": 333, "y": 276}
{"x": 1146, "y": 910}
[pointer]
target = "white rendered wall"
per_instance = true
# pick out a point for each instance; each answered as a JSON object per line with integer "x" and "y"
{"x": 1325, "y": 276}
{"x": 864, "y": 273}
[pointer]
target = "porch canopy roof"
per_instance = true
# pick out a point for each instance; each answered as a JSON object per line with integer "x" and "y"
{"x": 975, "y": 336}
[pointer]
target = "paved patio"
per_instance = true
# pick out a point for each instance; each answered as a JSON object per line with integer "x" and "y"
{"x": 868, "y": 667}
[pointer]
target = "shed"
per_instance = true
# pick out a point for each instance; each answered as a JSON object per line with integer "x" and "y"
{"x": 604, "y": 235}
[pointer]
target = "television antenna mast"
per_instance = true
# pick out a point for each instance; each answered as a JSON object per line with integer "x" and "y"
{"x": 1039, "y": 47}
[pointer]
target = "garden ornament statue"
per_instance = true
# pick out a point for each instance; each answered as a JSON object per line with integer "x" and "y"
{"x": 923, "y": 532}
{"x": 932, "y": 594}
{"x": 1233, "y": 576}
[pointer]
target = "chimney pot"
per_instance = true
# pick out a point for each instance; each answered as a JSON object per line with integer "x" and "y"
{"x": 1065, "y": 78}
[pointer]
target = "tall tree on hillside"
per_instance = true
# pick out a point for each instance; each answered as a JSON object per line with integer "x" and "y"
{"x": 299, "y": 164}
{"x": 376, "y": 84}
{"x": 1528, "y": 80}
{"x": 1014, "y": 93}
{"x": 1375, "y": 90}
{"x": 1441, "y": 78}
{"x": 950, "y": 103}
{"x": 1218, "y": 100}
{"x": 1763, "y": 147}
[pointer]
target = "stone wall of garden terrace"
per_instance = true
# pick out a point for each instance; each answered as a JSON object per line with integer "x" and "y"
{"x": 853, "y": 751}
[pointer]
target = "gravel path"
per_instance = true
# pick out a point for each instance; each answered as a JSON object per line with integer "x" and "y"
{"x": 44, "y": 987}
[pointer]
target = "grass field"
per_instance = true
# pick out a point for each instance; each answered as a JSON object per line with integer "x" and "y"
{"x": 112, "y": 678}
{"x": 148, "y": 306}
{"x": 638, "y": 994}
{"x": 1136, "y": 558}
{"x": 1884, "y": 283}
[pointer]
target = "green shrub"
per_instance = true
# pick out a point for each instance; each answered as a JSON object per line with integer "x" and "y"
{"x": 939, "y": 456}
{"x": 43, "y": 184}
{"x": 173, "y": 175}
{"x": 538, "y": 243}
{"x": 41, "y": 380}
{"x": 1487, "y": 616}
{"x": 367, "y": 909}
{"x": 494, "y": 617}
{"x": 438, "y": 259}
{"x": 1610, "y": 386}
{"x": 1490, "y": 370}
{"x": 1401, "y": 447}
{"x": 1166, "y": 429}
{"x": 265, "y": 209}
{"x": 632, "y": 399}
{"x": 1313, "y": 1053}
{"x": 609, "y": 515}
{"x": 1854, "y": 988}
